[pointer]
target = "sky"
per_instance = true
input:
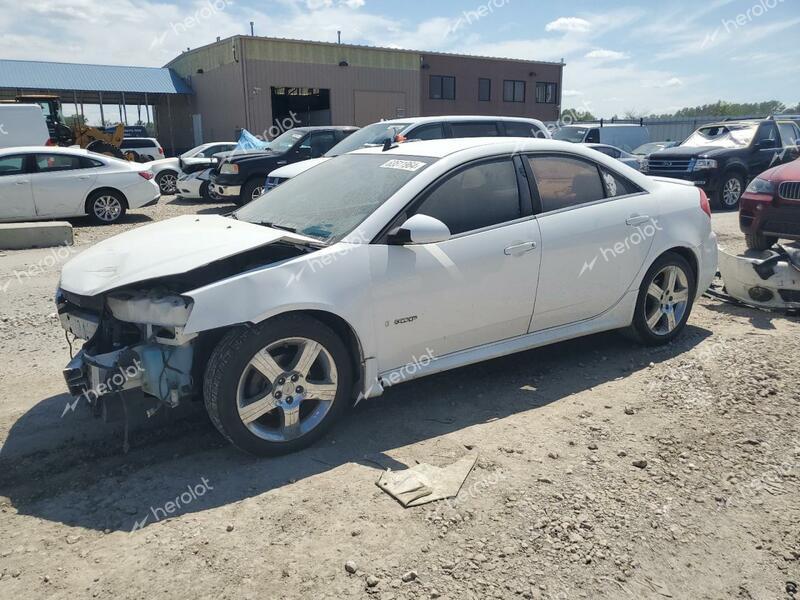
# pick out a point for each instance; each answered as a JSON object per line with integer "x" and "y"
{"x": 638, "y": 56}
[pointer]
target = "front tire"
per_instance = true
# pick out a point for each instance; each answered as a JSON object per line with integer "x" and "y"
{"x": 665, "y": 300}
{"x": 167, "y": 182}
{"x": 728, "y": 195}
{"x": 759, "y": 241}
{"x": 251, "y": 191}
{"x": 106, "y": 207}
{"x": 207, "y": 194}
{"x": 279, "y": 386}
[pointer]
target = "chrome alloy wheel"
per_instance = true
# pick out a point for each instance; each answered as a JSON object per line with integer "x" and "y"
{"x": 257, "y": 192}
{"x": 286, "y": 389}
{"x": 731, "y": 192}
{"x": 168, "y": 183}
{"x": 107, "y": 208}
{"x": 667, "y": 299}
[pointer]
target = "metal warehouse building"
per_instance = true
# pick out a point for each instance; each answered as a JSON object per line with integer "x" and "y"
{"x": 262, "y": 83}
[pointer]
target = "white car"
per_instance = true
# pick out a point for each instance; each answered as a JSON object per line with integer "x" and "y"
{"x": 196, "y": 185}
{"x": 43, "y": 182}
{"x": 417, "y": 128}
{"x": 168, "y": 170}
{"x": 377, "y": 267}
{"x": 144, "y": 149}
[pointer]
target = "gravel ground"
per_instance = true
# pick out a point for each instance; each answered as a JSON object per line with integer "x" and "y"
{"x": 605, "y": 470}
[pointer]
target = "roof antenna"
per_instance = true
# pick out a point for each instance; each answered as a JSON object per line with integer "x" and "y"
{"x": 252, "y": 31}
{"x": 339, "y": 35}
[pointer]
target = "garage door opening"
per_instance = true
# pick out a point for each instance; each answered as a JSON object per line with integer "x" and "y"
{"x": 307, "y": 106}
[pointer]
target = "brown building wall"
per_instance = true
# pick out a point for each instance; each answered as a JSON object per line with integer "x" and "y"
{"x": 358, "y": 95}
{"x": 468, "y": 70}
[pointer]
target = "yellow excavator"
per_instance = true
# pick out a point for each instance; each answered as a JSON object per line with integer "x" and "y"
{"x": 90, "y": 138}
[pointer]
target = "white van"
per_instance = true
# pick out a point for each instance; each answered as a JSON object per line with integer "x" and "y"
{"x": 22, "y": 125}
{"x": 625, "y": 136}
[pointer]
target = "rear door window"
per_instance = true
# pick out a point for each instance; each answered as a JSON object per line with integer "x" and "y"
{"x": 565, "y": 182}
{"x": 593, "y": 137}
{"x": 520, "y": 129}
{"x": 474, "y": 129}
{"x": 48, "y": 163}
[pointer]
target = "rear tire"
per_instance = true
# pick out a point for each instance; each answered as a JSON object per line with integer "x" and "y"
{"x": 279, "y": 386}
{"x": 167, "y": 182}
{"x": 665, "y": 300}
{"x": 759, "y": 241}
{"x": 730, "y": 191}
{"x": 106, "y": 207}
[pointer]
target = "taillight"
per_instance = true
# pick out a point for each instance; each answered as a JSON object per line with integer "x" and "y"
{"x": 161, "y": 151}
{"x": 146, "y": 174}
{"x": 704, "y": 204}
{"x": 49, "y": 142}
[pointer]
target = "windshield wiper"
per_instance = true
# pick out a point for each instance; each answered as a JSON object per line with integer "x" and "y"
{"x": 276, "y": 226}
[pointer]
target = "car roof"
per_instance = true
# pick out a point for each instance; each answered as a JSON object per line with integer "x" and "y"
{"x": 459, "y": 118}
{"x": 445, "y": 147}
{"x": 134, "y": 138}
{"x": 604, "y": 125}
{"x": 323, "y": 128}
{"x": 47, "y": 149}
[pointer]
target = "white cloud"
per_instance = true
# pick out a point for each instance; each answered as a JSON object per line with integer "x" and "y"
{"x": 601, "y": 54}
{"x": 569, "y": 24}
{"x": 352, "y": 3}
{"x": 672, "y": 82}
{"x": 572, "y": 93}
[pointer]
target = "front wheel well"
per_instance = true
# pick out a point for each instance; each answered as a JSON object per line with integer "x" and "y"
{"x": 99, "y": 191}
{"x": 210, "y": 339}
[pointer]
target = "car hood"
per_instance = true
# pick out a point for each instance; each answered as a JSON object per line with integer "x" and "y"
{"x": 787, "y": 172}
{"x": 167, "y": 248}
{"x": 295, "y": 169}
{"x": 684, "y": 152}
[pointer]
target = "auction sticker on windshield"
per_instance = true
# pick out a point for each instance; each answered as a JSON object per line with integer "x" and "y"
{"x": 403, "y": 165}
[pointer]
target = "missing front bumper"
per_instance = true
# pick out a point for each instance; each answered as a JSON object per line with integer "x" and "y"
{"x": 766, "y": 279}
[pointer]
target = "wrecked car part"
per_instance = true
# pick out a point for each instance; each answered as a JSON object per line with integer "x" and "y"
{"x": 425, "y": 483}
{"x": 150, "y": 307}
{"x": 767, "y": 279}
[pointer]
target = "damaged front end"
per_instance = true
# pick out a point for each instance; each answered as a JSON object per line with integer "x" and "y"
{"x": 134, "y": 342}
{"x": 769, "y": 279}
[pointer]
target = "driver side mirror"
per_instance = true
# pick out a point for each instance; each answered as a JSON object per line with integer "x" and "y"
{"x": 419, "y": 229}
{"x": 304, "y": 151}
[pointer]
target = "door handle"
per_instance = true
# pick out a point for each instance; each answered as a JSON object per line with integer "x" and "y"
{"x": 635, "y": 220}
{"x": 83, "y": 177}
{"x": 22, "y": 182}
{"x": 520, "y": 248}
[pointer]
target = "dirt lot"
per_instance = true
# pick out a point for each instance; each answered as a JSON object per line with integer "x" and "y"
{"x": 605, "y": 470}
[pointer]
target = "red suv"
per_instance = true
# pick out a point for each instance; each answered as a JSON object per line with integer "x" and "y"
{"x": 770, "y": 207}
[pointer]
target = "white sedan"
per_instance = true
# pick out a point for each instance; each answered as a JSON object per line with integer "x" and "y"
{"x": 167, "y": 170}
{"x": 52, "y": 183}
{"x": 378, "y": 267}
